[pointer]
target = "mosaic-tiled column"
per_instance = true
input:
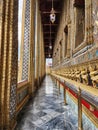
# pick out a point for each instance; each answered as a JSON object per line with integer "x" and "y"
{"x": 1, "y": 9}
{"x": 26, "y": 49}
{"x": 43, "y": 65}
{"x": 42, "y": 59}
{"x": 9, "y": 64}
{"x": 41, "y": 55}
{"x": 31, "y": 61}
{"x": 39, "y": 50}
{"x": 1, "y": 23}
{"x": 36, "y": 42}
{"x": 22, "y": 43}
{"x": 2, "y": 74}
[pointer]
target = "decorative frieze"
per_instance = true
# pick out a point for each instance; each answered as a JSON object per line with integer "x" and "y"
{"x": 86, "y": 73}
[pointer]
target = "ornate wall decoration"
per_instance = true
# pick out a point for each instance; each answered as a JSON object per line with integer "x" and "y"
{"x": 22, "y": 94}
{"x": 83, "y": 33}
{"x": 26, "y": 41}
{"x": 14, "y": 62}
{"x": 95, "y": 19}
{"x": 9, "y": 63}
{"x": 1, "y": 7}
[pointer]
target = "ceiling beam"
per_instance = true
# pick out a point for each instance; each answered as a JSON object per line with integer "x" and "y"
{"x": 47, "y": 53}
{"x": 53, "y": 0}
{"x": 47, "y": 56}
{"x": 48, "y": 12}
{"x": 48, "y": 32}
{"x": 49, "y": 37}
{"x": 51, "y": 24}
{"x": 46, "y": 46}
{"x": 46, "y": 43}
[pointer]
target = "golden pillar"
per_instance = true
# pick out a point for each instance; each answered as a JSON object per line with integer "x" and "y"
{"x": 42, "y": 57}
{"x": 80, "y": 127}
{"x": 22, "y": 43}
{"x": 31, "y": 59}
{"x": 9, "y": 64}
{"x": 64, "y": 89}
{"x": 40, "y": 49}
{"x": 37, "y": 45}
{"x": 59, "y": 87}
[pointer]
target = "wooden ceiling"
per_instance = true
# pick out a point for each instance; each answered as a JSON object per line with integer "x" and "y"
{"x": 79, "y": 3}
{"x": 45, "y": 8}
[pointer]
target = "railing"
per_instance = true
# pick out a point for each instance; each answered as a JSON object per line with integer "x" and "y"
{"x": 86, "y": 96}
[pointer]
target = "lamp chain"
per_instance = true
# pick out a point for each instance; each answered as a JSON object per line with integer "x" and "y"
{"x": 50, "y": 32}
{"x": 52, "y": 3}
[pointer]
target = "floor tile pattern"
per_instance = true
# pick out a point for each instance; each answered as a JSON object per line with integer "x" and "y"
{"x": 47, "y": 111}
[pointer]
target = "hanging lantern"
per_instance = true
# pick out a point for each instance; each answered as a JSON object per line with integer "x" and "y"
{"x": 49, "y": 55}
{"x": 52, "y": 16}
{"x": 50, "y": 46}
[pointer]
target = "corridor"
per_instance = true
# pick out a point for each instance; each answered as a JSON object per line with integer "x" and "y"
{"x": 47, "y": 110}
{"x": 39, "y": 38}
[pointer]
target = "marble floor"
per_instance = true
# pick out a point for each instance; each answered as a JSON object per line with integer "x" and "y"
{"x": 47, "y": 111}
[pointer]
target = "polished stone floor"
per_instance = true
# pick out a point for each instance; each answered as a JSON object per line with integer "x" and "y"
{"x": 47, "y": 111}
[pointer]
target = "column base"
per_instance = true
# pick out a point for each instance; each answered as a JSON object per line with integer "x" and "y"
{"x": 80, "y": 128}
{"x": 65, "y": 103}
